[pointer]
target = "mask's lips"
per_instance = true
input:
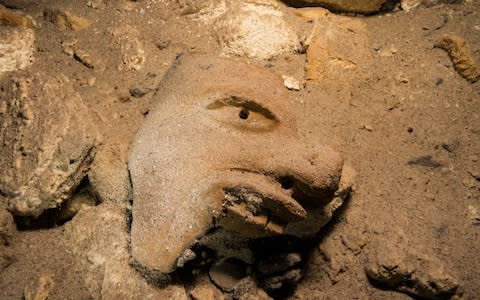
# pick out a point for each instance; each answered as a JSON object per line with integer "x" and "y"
{"x": 257, "y": 205}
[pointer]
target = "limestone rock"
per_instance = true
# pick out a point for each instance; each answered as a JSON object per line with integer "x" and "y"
{"x": 337, "y": 47}
{"x": 40, "y": 290}
{"x": 246, "y": 289}
{"x": 16, "y": 48}
{"x": 408, "y": 5}
{"x": 98, "y": 238}
{"x": 131, "y": 47}
{"x": 48, "y": 144}
{"x": 226, "y": 274}
{"x": 352, "y": 6}
{"x": 109, "y": 174}
{"x": 255, "y": 30}
{"x": 461, "y": 56}
{"x": 206, "y": 293}
{"x": 66, "y": 20}
{"x": 404, "y": 269}
{"x": 12, "y": 18}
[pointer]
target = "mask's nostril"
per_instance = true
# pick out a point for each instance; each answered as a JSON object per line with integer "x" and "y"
{"x": 286, "y": 182}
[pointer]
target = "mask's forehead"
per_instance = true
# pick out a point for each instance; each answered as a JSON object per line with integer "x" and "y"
{"x": 205, "y": 78}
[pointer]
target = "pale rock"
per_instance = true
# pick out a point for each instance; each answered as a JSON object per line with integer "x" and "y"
{"x": 247, "y": 289}
{"x": 49, "y": 141}
{"x": 291, "y": 83}
{"x": 109, "y": 174}
{"x": 395, "y": 264}
{"x": 226, "y": 273}
{"x": 255, "y": 30}
{"x": 408, "y": 5}
{"x": 66, "y": 20}
{"x": 337, "y": 46}
{"x": 131, "y": 48}
{"x": 16, "y": 48}
{"x": 206, "y": 291}
{"x": 96, "y": 4}
{"x": 202, "y": 10}
{"x": 13, "y": 18}
{"x": 40, "y": 290}
{"x": 98, "y": 239}
{"x": 353, "y": 6}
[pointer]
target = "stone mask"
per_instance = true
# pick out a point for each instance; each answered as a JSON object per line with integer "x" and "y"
{"x": 221, "y": 150}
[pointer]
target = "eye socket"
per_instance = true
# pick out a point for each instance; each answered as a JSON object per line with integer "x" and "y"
{"x": 242, "y": 113}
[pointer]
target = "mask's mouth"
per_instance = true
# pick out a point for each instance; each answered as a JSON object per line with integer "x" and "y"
{"x": 258, "y": 205}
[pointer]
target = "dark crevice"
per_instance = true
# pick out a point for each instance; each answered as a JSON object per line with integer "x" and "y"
{"x": 56, "y": 216}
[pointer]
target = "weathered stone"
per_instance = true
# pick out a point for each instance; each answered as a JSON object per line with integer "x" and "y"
{"x": 226, "y": 274}
{"x": 206, "y": 293}
{"x": 39, "y": 290}
{"x": 461, "y": 56}
{"x": 98, "y": 239}
{"x": 131, "y": 48}
{"x": 246, "y": 289}
{"x": 396, "y": 266}
{"x": 353, "y": 6}
{"x": 16, "y": 48}
{"x": 255, "y": 30}
{"x": 198, "y": 166}
{"x": 408, "y": 5}
{"x": 7, "y": 226}
{"x": 48, "y": 144}
{"x": 337, "y": 46}
{"x": 65, "y": 20}
{"x": 109, "y": 174}
{"x": 12, "y": 18}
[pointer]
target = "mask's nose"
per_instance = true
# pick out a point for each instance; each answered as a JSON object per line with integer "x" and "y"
{"x": 311, "y": 172}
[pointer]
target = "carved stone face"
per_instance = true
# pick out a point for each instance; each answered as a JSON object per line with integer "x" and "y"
{"x": 221, "y": 150}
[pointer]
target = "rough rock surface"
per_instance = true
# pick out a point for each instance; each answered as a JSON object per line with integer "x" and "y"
{"x": 185, "y": 186}
{"x": 398, "y": 266}
{"x": 338, "y": 46}
{"x": 461, "y": 56}
{"x": 16, "y": 48}
{"x": 98, "y": 238}
{"x": 255, "y": 29}
{"x": 66, "y": 20}
{"x": 352, "y": 6}
{"x": 51, "y": 147}
{"x": 13, "y": 18}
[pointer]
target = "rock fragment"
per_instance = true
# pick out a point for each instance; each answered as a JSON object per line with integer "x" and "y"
{"x": 291, "y": 83}
{"x": 337, "y": 46}
{"x": 49, "y": 142}
{"x": 131, "y": 48}
{"x": 460, "y": 54}
{"x": 246, "y": 289}
{"x": 40, "y": 290}
{"x": 353, "y": 6}
{"x": 100, "y": 248}
{"x": 255, "y": 30}
{"x": 205, "y": 293}
{"x": 16, "y": 48}
{"x": 66, "y": 20}
{"x": 108, "y": 174}
{"x": 226, "y": 274}
{"x": 403, "y": 269}
{"x": 12, "y": 18}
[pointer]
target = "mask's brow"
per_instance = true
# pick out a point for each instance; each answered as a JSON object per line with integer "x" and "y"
{"x": 243, "y": 102}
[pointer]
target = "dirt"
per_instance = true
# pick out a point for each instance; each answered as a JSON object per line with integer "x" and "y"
{"x": 403, "y": 117}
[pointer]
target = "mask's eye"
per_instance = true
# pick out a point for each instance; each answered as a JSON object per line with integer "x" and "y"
{"x": 242, "y": 113}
